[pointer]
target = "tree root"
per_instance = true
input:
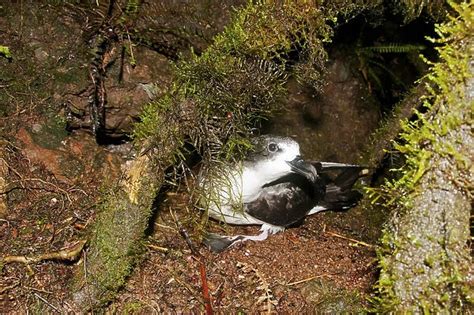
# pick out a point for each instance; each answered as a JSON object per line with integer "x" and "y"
{"x": 69, "y": 254}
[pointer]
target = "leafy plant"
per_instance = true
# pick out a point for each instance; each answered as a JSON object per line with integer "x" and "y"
{"x": 5, "y": 52}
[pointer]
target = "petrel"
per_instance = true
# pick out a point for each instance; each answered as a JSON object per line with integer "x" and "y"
{"x": 274, "y": 187}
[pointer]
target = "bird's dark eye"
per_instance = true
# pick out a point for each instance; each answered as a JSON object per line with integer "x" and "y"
{"x": 272, "y": 147}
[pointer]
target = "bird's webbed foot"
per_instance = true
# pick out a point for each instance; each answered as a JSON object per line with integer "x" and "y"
{"x": 219, "y": 243}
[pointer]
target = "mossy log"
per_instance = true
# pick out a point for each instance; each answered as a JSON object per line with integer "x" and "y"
{"x": 425, "y": 260}
{"x": 383, "y": 137}
{"x": 212, "y": 105}
{"x": 116, "y": 242}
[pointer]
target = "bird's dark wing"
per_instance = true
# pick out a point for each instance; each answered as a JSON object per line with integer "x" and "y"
{"x": 340, "y": 179}
{"x": 289, "y": 199}
{"x": 284, "y": 202}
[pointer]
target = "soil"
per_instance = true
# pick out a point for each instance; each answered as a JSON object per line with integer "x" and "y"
{"x": 54, "y": 179}
{"x": 312, "y": 267}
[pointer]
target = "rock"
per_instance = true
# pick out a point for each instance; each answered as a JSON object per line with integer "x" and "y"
{"x": 41, "y": 55}
{"x": 326, "y": 298}
{"x": 333, "y": 124}
{"x": 36, "y": 128}
{"x": 76, "y": 157}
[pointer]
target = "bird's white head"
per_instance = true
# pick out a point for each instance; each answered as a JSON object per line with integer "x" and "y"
{"x": 270, "y": 156}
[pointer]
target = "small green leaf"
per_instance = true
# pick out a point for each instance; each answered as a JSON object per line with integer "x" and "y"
{"x": 5, "y": 52}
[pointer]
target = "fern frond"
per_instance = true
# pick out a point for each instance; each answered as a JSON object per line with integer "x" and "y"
{"x": 393, "y": 48}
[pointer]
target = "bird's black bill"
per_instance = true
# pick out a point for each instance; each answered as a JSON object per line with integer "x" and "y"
{"x": 300, "y": 166}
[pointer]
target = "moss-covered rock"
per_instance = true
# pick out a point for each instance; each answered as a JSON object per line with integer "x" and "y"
{"x": 425, "y": 259}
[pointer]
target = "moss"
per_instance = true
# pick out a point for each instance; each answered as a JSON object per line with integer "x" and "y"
{"x": 63, "y": 76}
{"x": 133, "y": 307}
{"x": 5, "y": 52}
{"x": 152, "y": 117}
{"x": 117, "y": 242}
{"x": 382, "y": 139}
{"x": 449, "y": 77}
{"x": 117, "y": 248}
{"x": 418, "y": 272}
{"x": 275, "y": 31}
{"x": 4, "y": 110}
{"x": 20, "y": 79}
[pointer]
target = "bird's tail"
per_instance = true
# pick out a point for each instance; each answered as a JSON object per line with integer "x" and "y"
{"x": 340, "y": 179}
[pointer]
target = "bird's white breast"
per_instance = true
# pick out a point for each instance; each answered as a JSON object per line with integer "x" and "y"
{"x": 254, "y": 178}
{"x": 243, "y": 183}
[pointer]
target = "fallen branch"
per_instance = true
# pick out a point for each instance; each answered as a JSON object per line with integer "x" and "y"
{"x": 69, "y": 254}
{"x": 382, "y": 139}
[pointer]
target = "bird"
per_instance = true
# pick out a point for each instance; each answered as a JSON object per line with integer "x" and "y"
{"x": 274, "y": 187}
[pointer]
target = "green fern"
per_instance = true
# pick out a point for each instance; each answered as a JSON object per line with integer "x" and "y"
{"x": 372, "y": 67}
{"x": 393, "y": 48}
{"x": 131, "y": 7}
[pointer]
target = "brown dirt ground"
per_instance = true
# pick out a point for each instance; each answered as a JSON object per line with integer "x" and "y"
{"x": 302, "y": 269}
{"x": 47, "y": 215}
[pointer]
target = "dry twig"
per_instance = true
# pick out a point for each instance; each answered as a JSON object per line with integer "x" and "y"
{"x": 306, "y": 280}
{"x": 158, "y": 248}
{"x": 350, "y": 239}
{"x": 46, "y": 302}
{"x": 5, "y": 289}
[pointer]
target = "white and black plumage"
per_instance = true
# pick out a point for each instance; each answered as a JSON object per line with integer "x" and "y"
{"x": 275, "y": 188}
